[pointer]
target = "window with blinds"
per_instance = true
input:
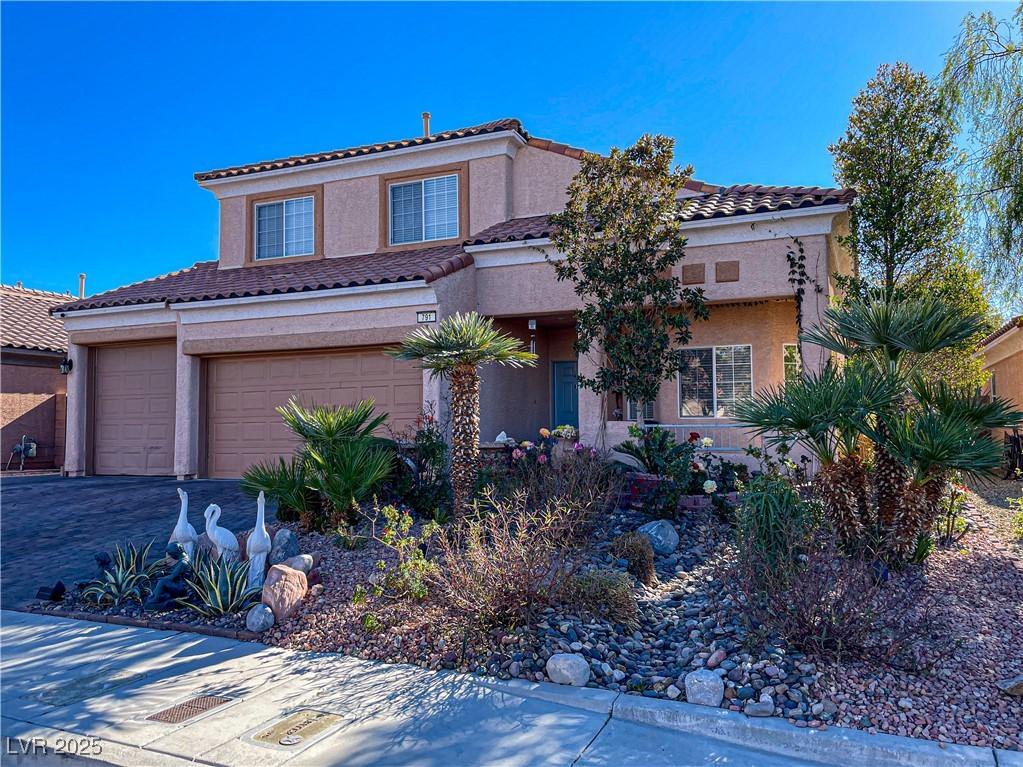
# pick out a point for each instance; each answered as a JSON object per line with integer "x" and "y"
{"x": 285, "y": 228}
{"x": 712, "y": 380}
{"x": 421, "y": 211}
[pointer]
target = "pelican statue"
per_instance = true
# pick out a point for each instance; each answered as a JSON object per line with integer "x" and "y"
{"x": 225, "y": 541}
{"x": 184, "y": 533}
{"x": 257, "y": 547}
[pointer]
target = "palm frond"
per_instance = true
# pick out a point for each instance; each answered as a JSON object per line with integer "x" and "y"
{"x": 348, "y": 472}
{"x": 462, "y": 340}
{"x": 955, "y": 403}
{"x": 932, "y": 444}
{"x": 319, "y": 424}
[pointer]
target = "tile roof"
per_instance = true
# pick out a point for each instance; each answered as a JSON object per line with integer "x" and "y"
{"x": 496, "y": 126}
{"x": 713, "y": 202}
{"x": 25, "y": 321}
{"x": 1014, "y": 322}
{"x": 204, "y": 281}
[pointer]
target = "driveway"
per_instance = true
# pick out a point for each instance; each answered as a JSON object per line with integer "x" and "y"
{"x": 51, "y": 526}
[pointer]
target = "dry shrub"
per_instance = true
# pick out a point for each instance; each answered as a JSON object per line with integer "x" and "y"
{"x": 607, "y": 594}
{"x": 636, "y": 549}
{"x": 509, "y": 558}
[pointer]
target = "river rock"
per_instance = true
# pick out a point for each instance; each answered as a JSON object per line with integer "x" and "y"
{"x": 285, "y": 546}
{"x": 259, "y": 618}
{"x": 1012, "y": 686}
{"x": 704, "y": 688}
{"x": 568, "y": 668}
{"x": 283, "y": 591}
{"x": 303, "y": 562}
{"x": 662, "y": 536}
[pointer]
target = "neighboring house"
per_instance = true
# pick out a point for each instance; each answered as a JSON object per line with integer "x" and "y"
{"x": 1003, "y": 358}
{"x": 32, "y": 389}
{"x": 327, "y": 258}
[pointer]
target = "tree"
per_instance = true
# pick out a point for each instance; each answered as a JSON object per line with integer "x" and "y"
{"x": 620, "y": 235}
{"x": 454, "y": 350}
{"x": 898, "y": 152}
{"x": 983, "y": 84}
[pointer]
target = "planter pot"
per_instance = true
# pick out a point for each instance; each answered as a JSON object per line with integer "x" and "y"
{"x": 695, "y": 501}
{"x": 562, "y": 448}
{"x": 640, "y": 484}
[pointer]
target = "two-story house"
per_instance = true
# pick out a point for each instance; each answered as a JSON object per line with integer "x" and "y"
{"x": 326, "y": 259}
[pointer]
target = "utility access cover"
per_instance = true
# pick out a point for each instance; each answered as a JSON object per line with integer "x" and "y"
{"x": 191, "y": 708}
{"x": 298, "y": 730}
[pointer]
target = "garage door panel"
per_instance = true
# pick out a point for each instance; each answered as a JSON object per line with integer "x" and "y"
{"x": 133, "y": 410}
{"x": 243, "y": 426}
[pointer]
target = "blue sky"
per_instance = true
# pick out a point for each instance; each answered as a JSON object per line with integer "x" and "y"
{"x": 108, "y": 109}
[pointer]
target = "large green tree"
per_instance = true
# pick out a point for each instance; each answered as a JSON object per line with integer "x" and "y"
{"x": 621, "y": 235}
{"x": 899, "y": 152}
{"x": 983, "y": 84}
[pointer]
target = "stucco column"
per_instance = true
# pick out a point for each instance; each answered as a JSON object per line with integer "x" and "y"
{"x": 591, "y": 416}
{"x": 814, "y": 304}
{"x": 76, "y": 437}
{"x": 186, "y": 416}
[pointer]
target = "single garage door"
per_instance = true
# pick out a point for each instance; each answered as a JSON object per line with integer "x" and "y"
{"x": 243, "y": 392}
{"x": 134, "y": 409}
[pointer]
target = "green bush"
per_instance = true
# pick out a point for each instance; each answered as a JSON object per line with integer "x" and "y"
{"x": 284, "y": 481}
{"x": 659, "y": 453}
{"x": 422, "y": 482}
{"x": 393, "y": 528}
{"x": 1016, "y": 523}
{"x": 607, "y": 594}
{"x": 636, "y": 549}
{"x": 773, "y": 522}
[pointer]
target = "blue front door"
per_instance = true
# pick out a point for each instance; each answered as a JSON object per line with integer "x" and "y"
{"x": 566, "y": 394}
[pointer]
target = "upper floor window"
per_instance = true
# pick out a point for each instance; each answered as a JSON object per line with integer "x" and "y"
{"x": 285, "y": 228}
{"x": 424, "y": 210}
{"x": 712, "y": 380}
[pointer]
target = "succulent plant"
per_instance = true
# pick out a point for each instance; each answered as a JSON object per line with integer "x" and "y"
{"x": 219, "y": 588}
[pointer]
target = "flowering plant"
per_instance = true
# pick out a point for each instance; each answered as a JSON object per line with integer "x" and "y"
{"x": 566, "y": 432}
{"x": 710, "y": 487}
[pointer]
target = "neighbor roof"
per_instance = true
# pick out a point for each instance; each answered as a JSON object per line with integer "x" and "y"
{"x": 1014, "y": 322}
{"x": 25, "y": 321}
{"x": 496, "y": 126}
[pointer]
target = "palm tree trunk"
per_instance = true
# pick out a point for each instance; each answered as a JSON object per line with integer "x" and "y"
{"x": 891, "y": 480}
{"x": 465, "y": 434}
{"x": 843, "y": 487}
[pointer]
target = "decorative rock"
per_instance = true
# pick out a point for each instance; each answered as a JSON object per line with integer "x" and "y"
{"x": 285, "y": 546}
{"x": 316, "y": 589}
{"x": 662, "y": 536}
{"x": 259, "y": 618}
{"x": 704, "y": 688}
{"x": 283, "y": 591}
{"x": 1012, "y": 686}
{"x": 673, "y": 692}
{"x": 303, "y": 562}
{"x": 763, "y": 707}
{"x": 568, "y": 668}
{"x": 715, "y": 659}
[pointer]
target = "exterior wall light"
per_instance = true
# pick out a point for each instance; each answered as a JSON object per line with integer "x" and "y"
{"x": 65, "y": 366}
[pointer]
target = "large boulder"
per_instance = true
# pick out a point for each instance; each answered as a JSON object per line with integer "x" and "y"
{"x": 704, "y": 688}
{"x": 285, "y": 546}
{"x": 568, "y": 668}
{"x": 283, "y": 591}
{"x": 662, "y": 536}
{"x": 259, "y": 618}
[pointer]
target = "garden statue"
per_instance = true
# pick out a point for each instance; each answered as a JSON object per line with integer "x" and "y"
{"x": 225, "y": 541}
{"x": 172, "y": 586}
{"x": 257, "y": 547}
{"x": 184, "y": 533}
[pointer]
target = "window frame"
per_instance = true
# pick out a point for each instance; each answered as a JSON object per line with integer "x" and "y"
{"x": 784, "y": 362}
{"x": 713, "y": 380}
{"x": 630, "y": 410}
{"x": 422, "y": 203}
{"x": 283, "y": 202}
{"x": 253, "y": 201}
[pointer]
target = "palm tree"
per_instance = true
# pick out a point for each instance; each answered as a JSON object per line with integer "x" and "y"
{"x": 454, "y": 350}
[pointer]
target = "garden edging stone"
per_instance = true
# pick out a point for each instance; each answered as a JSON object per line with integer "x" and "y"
{"x": 837, "y": 745}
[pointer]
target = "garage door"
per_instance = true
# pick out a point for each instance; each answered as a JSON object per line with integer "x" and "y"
{"x": 134, "y": 410}
{"x": 243, "y": 426}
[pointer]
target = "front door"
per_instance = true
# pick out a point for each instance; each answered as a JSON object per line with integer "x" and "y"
{"x": 566, "y": 394}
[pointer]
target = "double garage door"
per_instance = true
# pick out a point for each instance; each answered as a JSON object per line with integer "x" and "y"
{"x": 135, "y": 403}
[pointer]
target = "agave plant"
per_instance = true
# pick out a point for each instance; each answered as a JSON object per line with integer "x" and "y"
{"x": 218, "y": 587}
{"x": 129, "y": 577}
{"x": 454, "y": 350}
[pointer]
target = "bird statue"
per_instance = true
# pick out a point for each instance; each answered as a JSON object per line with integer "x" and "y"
{"x": 225, "y": 541}
{"x": 184, "y": 533}
{"x": 257, "y": 547}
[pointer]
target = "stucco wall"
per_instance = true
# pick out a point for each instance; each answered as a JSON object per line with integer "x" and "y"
{"x": 540, "y": 180}
{"x": 32, "y": 403}
{"x": 351, "y": 211}
{"x": 523, "y": 289}
{"x": 232, "y": 232}
{"x": 1005, "y": 361}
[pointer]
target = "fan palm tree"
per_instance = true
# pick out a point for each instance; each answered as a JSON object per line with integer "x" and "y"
{"x": 454, "y": 350}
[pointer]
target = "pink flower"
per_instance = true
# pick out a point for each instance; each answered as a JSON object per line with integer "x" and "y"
{"x": 542, "y": 458}
{"x": 517, "y": 454}
{"x": 578, "y": 447}
{"x": 593, "y": 452}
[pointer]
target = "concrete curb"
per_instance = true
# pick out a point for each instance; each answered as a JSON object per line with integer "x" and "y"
{"x": 587, "y": 698}
{"x": 141, "y": 623}
{"x": 837, "y": 745}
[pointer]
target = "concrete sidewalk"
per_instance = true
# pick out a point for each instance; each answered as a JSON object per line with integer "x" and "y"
{"x": 61, "y": 678}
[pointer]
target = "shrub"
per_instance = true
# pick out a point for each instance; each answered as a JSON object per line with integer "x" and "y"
{"x": 218, "y": 587}
{"x": 128, "y": 579}
{"x": 423, "y": 483}
{"x": 338, "y": 464}
{"x": 636, "y": 549}
{"x": 773, "y": 523}
{"x": 952, "y": 524}
{"x": 607, "y": 594}
{"x": 508, "y": 559}
{"x": 657, "y": 450}
{"x": 410, "y": 576}
{"x": 1016, "y": 523}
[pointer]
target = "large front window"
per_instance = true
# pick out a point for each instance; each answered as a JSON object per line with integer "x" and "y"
{"x": 712, "y": 380}
{"x": 425, "y": 210}
{"x": 284, "y": 228}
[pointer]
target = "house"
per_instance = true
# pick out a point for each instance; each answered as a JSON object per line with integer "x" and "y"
{"x": 327, "y": 258}
{"x": 32, "y": 389}
{"x": 1003, "y": 359}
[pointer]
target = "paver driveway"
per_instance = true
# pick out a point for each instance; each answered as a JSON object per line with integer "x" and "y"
{"x": 51, "y": 526}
